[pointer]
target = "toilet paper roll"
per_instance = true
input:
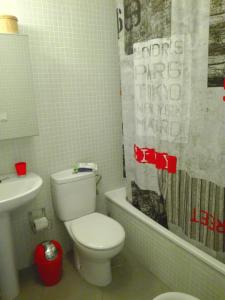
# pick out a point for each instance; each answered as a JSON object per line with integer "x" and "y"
{"x": 40, "y": 224}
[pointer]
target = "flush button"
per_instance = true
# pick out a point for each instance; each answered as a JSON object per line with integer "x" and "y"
{"x": 3, "y": 117}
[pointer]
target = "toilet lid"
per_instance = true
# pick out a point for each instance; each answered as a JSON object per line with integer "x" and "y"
{"x": 97, "y": 231}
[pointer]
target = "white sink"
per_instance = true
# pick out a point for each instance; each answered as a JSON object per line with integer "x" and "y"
{"x": 14, "y": 192}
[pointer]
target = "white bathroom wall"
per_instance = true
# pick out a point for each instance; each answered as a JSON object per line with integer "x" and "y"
{"x": 76, "y": 80}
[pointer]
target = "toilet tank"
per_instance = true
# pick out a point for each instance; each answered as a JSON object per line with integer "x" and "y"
{"x": 74, "y": 195}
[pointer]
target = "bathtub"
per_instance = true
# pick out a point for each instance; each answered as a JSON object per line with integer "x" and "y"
{"x": 176, "y": 262}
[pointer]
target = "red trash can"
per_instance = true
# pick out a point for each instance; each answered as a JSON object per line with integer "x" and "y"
{"x": 48, "y": 259}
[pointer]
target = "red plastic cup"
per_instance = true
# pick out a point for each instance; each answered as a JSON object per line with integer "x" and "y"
{"x": 21, "y": 168}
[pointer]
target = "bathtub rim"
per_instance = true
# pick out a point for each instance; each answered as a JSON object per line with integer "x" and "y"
{"x": 118, "y": 197}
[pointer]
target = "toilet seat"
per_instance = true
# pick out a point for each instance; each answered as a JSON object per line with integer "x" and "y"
{"x": 97, "y": 231}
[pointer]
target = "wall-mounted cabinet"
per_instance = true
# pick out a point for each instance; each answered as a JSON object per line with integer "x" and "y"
{"x": 17, "y": 103}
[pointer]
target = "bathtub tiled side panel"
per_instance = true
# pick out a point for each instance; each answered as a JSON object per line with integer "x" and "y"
{"x": 178, "y": 269}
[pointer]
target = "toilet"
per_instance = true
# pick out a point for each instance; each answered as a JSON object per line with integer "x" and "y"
{"x": 96, "y": 237}
{"x": 175, "y": 296}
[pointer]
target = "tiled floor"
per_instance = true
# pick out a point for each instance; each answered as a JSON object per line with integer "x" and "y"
{"x": 130, "y": 281}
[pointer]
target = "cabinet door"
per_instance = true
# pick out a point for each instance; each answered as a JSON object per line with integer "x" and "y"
{"x": 17, "y": 103}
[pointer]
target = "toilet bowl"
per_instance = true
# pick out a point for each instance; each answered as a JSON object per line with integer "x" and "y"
{"x": 97, "y": 238}
{"x": 175, "y": 296}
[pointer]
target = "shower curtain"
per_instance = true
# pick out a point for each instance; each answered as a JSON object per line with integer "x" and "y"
{"x": 172, "y": 58}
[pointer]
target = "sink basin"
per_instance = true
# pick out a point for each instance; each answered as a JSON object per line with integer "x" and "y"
{"x": 16, "y": 191}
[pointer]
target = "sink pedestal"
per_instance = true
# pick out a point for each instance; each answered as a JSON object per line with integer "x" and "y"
{"x": 9, "y": 288}
{"x": 15, "y": 191}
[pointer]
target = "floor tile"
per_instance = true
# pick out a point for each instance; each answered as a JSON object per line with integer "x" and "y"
{"x": 130, "y": 281}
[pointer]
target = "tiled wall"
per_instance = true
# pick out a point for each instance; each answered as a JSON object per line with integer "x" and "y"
{"x": 177, "y": 268}
{"x": 76, "y": 79}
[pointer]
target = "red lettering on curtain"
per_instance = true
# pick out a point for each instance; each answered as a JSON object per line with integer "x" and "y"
{"x": 194, "y": 216}
{"x": 210, "y": 221}
{"x": 161, "y": 160}
{"x": 224, "y": 88}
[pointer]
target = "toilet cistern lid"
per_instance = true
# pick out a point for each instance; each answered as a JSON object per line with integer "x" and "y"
{"x": 67, "y": 176}
{"x": 97, "y": 231}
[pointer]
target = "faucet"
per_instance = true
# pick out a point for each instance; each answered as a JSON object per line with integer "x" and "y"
{"x": 3, "y": 178}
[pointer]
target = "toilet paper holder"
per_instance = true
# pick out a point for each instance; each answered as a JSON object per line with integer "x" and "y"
{"x": 38, "y": 214}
